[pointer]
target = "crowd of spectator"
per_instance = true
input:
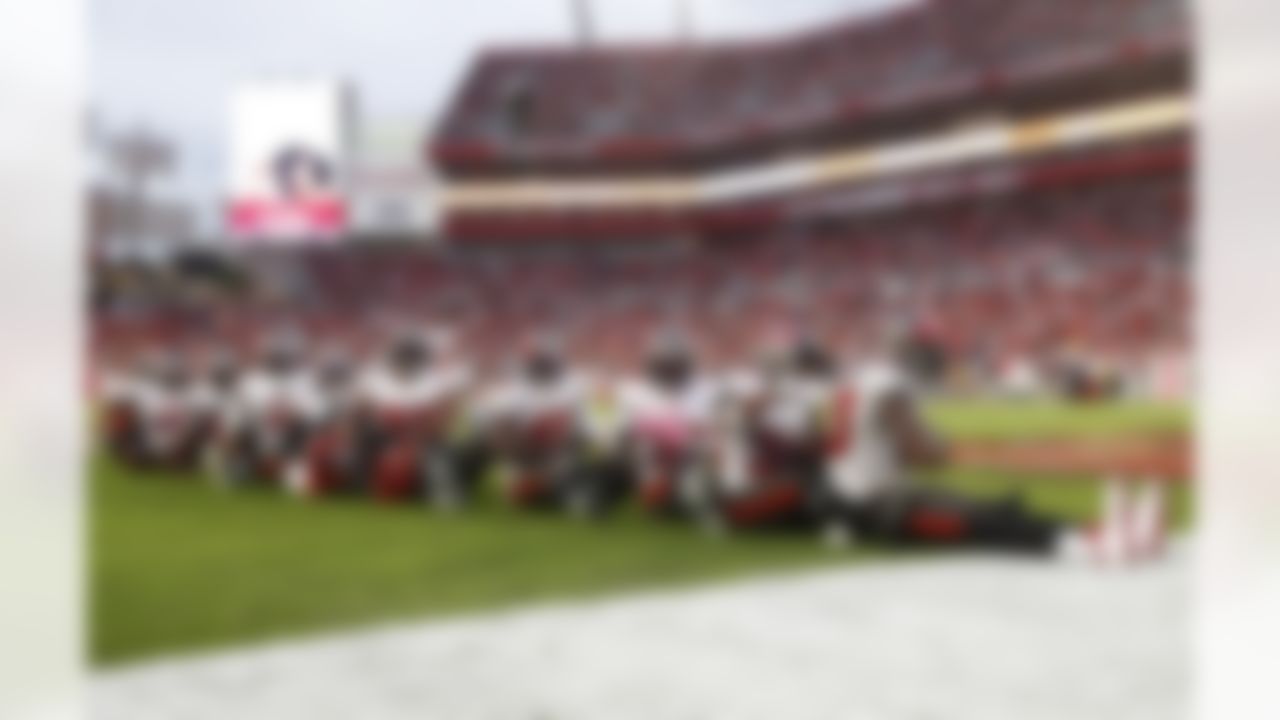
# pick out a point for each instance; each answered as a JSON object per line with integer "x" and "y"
{"x": 1092, "y": 273}
{"x": 620, "y": 100}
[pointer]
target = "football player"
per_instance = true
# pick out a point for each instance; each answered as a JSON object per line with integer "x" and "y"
{"x": 772, "y": 440}
{"x": 545, "y": 425}
{"x": 670, "y": 415}
{"x": 122, "y": 391}
{"x": 217, "y": 400}
{"x": 170, "y": 421}
{"x": 268, "y": 429}
{"x": 416, "y": 402}
{"x": 339, "y": 444}
{"x": 884, "y": 442}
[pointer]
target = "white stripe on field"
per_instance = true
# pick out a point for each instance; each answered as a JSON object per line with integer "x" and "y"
{"x": 986, "y": 639}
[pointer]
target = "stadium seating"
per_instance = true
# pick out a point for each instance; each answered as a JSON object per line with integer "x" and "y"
{"x": 1094, "y": 268}
{"x": 665, "y": 103}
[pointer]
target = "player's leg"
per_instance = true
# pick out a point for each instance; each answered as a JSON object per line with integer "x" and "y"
{"x": 362, "y": 464}
{"x": 190, "y": 448}
{"x": 123, "y": 431}
{"x": 292, "y": 468}
{"x": 930, "y": 516}
{"x": 530, "y": 481}
{"x": 436, "y": 475}
{"x": 1129, "y": 527}
{"x": 611, "y": 479}
{"x": 472, "y": 458}
{"x": 579, "y": 487}
{"x": 237, "y": 459}
{"x": 394, "y": 465}
{"x": 325, "y": 465}
{"x": 1132, "y": 525}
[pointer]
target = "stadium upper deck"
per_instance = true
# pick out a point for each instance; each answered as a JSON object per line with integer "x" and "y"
{"x": 654, "y": 109}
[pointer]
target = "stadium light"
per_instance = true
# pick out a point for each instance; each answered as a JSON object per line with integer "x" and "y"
{"x": 583, "y": 21}
{"x": 135, "y": 157}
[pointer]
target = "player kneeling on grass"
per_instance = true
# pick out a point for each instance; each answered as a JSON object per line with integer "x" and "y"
{"x": 415, "y": 402}
{"x": 264, "y": 436}
{"x": 218, "y": 399}
{"x": 338, "y": 450}
{"x": 168, "y": 425}
{"x": 604, "y": 464}
{"x": 872, "y": 494}
{"x": 538, "y": 424}
{"x": 670, "y": 416}
{"x": 772, "y": 442}
{"x": 122, "y": 392}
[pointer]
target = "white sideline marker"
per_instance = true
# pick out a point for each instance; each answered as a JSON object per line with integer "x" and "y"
{"x": 976, "y": 638}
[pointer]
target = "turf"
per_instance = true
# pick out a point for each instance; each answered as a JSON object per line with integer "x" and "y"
{"x": 177, "y": 566}
{"x": 997, "y": 419}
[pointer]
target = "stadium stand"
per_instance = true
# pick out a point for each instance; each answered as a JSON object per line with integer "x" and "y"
{"x": 1016, "y": 170}
{"x": 918, "y": 67}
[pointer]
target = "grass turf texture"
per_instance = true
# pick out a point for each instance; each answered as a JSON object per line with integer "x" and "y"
{"x": 178, "y": 566}
{"x": 1040, "y": 419}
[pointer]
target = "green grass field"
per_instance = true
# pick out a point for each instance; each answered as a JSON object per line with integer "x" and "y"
{"x": 177, "y": 566}
{"x": 1045, "y": 419}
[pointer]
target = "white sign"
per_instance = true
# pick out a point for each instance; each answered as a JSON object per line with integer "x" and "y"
{"x": 288, "y": 161}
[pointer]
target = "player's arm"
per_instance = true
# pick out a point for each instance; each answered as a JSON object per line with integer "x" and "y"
{"x": 919, "y": 446}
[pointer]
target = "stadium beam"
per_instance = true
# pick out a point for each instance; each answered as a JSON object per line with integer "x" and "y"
{"x": 583, "y": 21}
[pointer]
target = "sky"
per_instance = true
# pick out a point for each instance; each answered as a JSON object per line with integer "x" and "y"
{"x": 170, "y": 65}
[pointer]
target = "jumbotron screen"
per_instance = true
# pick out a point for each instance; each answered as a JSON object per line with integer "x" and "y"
{"x": 288, "y": 159}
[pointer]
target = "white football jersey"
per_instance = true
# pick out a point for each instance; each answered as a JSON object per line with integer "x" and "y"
{"x": 330, "y": 401}
{"x": 792, "y": 407}
{"x": 389, "y": 391}
{"x": 694, "y": 405}
{"x": 870, "y": 462}
{"x": 122, "y": 387}
{"x": 527, "y": 400}
{"x": 263, "y": 395}
{"x": 741, "y": 385}
{"x": 166, "y": 415}
{"x": 215, "y": 403}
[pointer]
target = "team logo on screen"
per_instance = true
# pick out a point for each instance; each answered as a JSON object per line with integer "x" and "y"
{"x": 304, "y": 201}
